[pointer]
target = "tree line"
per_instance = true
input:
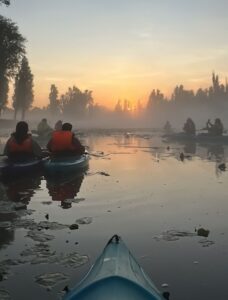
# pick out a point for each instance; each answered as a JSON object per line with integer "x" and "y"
{"x": 76, "y": 103}
{"x": 203, "y": 103}
{"x": 14, "y": 66}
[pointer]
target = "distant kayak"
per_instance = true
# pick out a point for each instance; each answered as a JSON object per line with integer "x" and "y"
{"x": 62, "y": 165}
{"x": 115, "y": 276}
{"x": 41, "y": 138}
{"x": 9, "y": 168}
{"x": 199, "y": 138}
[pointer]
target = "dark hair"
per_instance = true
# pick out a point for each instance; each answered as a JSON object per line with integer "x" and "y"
{"x": 44, "y": 120}
{"x": 21, "y": 132}
{"x": 66, "y": 127}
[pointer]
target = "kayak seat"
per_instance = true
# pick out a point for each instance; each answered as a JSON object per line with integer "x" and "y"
{"x": 113, "y": 288}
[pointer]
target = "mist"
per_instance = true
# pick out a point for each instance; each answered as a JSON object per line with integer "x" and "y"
{"x": 79, "y": 108}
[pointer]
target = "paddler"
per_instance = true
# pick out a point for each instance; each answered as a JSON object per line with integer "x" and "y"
{"x": 64, "y": 143}
{"x": 215, "y": 129}
{"x": 43, "y": 129}
{"x": 189, "y": 127}
{"x": 58, "y": 125}
{"x": 20, "y": 146}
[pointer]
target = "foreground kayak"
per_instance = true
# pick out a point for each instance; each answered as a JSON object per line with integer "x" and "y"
{"x": 62, "y": 165}
{"x": 14, "y": 169}
{"x": 116, "y": 276}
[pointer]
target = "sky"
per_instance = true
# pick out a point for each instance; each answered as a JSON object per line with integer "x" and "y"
{"x": 122, "y": 49}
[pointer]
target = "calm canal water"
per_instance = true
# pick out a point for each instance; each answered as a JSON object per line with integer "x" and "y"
{"x": 136, "y": 186}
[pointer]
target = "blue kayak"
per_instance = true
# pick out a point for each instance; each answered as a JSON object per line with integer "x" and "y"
{"x": 14, "y": 169}
{"x": 63, "y": 165}
{"x": 116, "y": 276}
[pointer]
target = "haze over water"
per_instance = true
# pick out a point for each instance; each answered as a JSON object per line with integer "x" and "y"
{"x": 118, "y": 71}
{"x": 137, "y": 187}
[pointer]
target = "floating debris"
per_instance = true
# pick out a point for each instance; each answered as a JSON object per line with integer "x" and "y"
{"x": 85, "y": 220}
{"x": 19, "y": 206}
{"x": 25, "y": 223}
{"x": 103, "y": 173}
{"x": 50, "y": 279}
{"x": 72, "y": 259}
{"x": 50, "y": 225}
{"x": 42, "y": 254}
{"x": 38, "y": 236}
{"x": 66, "y": 203}
{"x": 4, "y": 295}
{"x": 202, "y": 232}
{"x": 164, "y": 285}
{"x": 222, "y": 167}
{"x": 182, "y": 156}
{"x": 47, "y": 202}
{"x": 206, "y": 243}
{"x": 73, "y": 226}
{"x": 5, "y": 225}
{"x": 173, "y": 235}
{"x": 77, "y": 200}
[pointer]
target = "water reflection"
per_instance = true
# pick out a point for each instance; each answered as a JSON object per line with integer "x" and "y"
{"x": 22, "y": 189}
{"x": 15, "y": 195}
{"x": 216, "y": 152}
{"x": 65, "y": 187}
{"x": 190, "y": 148}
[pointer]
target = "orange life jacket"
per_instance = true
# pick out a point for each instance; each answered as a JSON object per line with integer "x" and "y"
{"x": 25, "y": 146}
{"x": 62, "y": 141}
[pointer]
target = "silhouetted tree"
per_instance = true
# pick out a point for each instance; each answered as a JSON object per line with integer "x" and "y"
{"x": 23, "y": 93}
{"x": 54, "y": 102}
{"x": 118, "y": 107}
{"x": 12, "y": 49}
{"x": 76, "y": 103}
{"x": 156, "y": 98}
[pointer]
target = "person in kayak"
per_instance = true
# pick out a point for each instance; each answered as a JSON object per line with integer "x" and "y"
{"x": 215, "y": 129}
{"x": 168, "y": 128}
{"x": 189, "y": 127}
{"x": 43, "y": 129}
{"x": 64, "y": 142}
{"x": 20, "y": 146}
{"x": 58, "y": 125}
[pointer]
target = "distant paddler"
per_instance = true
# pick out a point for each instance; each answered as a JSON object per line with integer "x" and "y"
{"x": 64, "y": 142}
{"x": 215, "y": 129}
{"x": 189, "y": 127}
{"x": 58, "y": 125}
{"x": 20, "y": 146}
{"x": 43, "y": 129}
{"x": 168, "y": 128}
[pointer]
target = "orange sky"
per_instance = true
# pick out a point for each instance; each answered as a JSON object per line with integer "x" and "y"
{"x": 122, "y": 49}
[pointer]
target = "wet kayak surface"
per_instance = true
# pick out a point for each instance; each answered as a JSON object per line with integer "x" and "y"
{"x": 168, "y": 201}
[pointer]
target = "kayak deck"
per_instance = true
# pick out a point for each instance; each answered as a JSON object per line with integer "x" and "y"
{"x": 66, "y": 164}
{"x": 9, "y": 168}
{"x": 115, "y": 275}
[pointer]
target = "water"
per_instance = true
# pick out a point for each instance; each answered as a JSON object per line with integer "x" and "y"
{"x": 155, "y": 201}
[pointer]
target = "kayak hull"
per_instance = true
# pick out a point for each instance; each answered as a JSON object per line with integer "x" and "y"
{"x": 115, "y": 275}
{"x": 124, "y": 290}
{"x": 64, "y": 165}
{"x": 16, "y": 169}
